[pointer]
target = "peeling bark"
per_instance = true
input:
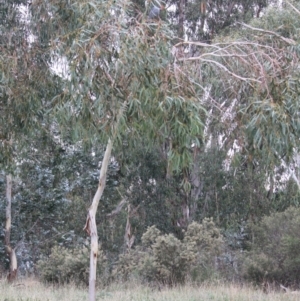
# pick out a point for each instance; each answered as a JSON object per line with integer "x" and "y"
{"x": 90, "y": 225}
{"x": 129, "y": 237}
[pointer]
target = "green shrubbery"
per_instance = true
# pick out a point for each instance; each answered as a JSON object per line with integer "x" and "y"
{"x": 66, "y": 265}
{"x": 160, "y": 258}
{"x": 275, "y": 253}
{"x": 166, "y": 259}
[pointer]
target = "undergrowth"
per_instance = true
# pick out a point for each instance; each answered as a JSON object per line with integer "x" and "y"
{"x": 36, "y": 291}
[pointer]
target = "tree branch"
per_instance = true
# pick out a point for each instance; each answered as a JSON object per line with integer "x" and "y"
{"x": 296, "y": 10}
{"x": 286, "y": 40}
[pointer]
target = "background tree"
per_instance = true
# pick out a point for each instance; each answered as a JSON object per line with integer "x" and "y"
{"x": 24, "y": 73}
{"x": 121, "y": 81}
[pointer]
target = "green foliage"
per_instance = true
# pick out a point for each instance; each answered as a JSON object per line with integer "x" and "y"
{"x": 113, "y": 61}
{"x": 206, "y": 236}
{"x": 69, "y": 265}
{"x": 166, "y": 259}
{"x": 259, "y": 96}
{"x": 143, "y": 167}
{"x": 275, "y": 254}
{"x": 172, "y": 258}
{"x": 127, "y": 266}
{"x": 219, "y": 16}
{"x": 26, "y": 82}
{"x": 206, "y": 241}
{"x": 104, "y": 62}
{"x": 150, "y": 236}
{"x": 235, "y": 193}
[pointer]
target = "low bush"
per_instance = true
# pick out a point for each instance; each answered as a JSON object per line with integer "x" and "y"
{"x": 275, "y": 251}
{"x": 208, "y": 243}
{"x": 166, "y": 259}
{"x": 69, "y": 265}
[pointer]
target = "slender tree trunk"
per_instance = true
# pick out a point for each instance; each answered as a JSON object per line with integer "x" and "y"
{"x": 90, "y": 225}
{"x": 129, "y": 237}
{"x": 181, "y": 7}
{"x": 197, "y": 184}
{"x": 13, "y": 265}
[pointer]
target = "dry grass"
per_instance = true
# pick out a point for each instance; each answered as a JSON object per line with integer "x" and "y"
{"x": 31, "y": 290}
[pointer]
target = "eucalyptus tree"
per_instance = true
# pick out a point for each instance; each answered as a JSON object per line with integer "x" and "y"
{"x": 10, "y": 114}
{"x": 203, "y": 21}
{"x": 269, "y": 115}
{"x": 24, "y": 89}
{"x": 251, "y": 76}
{"x": 121, "y": 81}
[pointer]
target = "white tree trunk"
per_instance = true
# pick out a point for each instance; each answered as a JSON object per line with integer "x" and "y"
{"x": 91, "y": 227}
{"x": 13, "y": 265}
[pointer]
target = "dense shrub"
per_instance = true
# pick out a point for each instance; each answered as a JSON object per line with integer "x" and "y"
{"x": 172, "y": 258}
{"x": 126, "y": 266}
{"x": 208, "y": 243}
{"x": 275, "y": 253}
{"x": 65, "y": 265}
{"x": 164, "y": 258}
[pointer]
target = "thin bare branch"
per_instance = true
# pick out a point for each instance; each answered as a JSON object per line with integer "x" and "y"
{"x": 286, "y": 40}
{"x": 223, "y": 68}
{"x": 221, "y": 46}
{"x": 296, "y": 10}
{"x": 118, "y": 208}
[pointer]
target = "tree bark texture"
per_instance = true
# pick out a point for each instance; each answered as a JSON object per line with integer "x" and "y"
{"x": 13, "y": 265}
{"x": 91, "y": 226}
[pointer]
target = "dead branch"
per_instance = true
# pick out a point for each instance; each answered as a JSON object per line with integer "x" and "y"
{"x": 286, "y": 40}
{"x": 118, "y": 208}
{"x": 296, "y": 10}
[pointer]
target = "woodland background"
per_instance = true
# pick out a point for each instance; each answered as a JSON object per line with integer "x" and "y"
{"x": 203, "y": 106}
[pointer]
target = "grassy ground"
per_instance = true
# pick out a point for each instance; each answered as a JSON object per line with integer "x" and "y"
{"x": 34, "y": 291}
